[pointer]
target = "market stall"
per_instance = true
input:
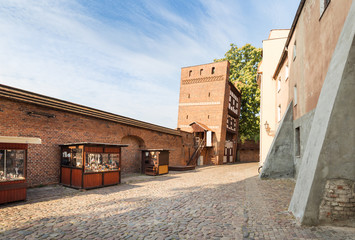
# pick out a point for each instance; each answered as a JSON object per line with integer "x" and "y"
{"x": 12, "y": 172}
{"x": 155, "y": 161}
{"x": 13, "y": 167}
{"x": 90, "y": 165}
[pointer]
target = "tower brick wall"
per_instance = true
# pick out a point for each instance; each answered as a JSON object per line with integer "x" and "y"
{"x": 204, "y": 98}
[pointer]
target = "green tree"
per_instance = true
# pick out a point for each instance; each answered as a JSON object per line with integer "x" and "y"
{"x": 244, "y": 63}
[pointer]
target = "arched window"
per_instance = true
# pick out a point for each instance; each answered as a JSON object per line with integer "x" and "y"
{"x": 213, "y": 70}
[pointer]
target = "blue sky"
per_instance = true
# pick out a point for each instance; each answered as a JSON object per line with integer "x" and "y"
{"x": 125, "y": 56}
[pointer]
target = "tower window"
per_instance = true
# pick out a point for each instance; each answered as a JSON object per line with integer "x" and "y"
{"x": 209, "y": 94}
{"x": 201, "y": 70}
{"x": 294, "y": 51}
{"x": 208, "y": 116}
{"x": 190, "y": 73}
{"x": 188, "y": 95}
{"x": 187, "y": 116}
{"x": 213, "y": 70}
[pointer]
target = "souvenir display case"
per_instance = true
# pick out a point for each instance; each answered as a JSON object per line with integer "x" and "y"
{"x": 12, "y": 172}
{"x": 155, "y": 161}
{"x": 90, "y": 165}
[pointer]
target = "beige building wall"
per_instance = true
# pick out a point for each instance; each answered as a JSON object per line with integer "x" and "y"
{"x": 307, "y": 55}
{"x": 309, "y": 52}
{"x": 312, "y": 141}
{"x": 272, "y": 49}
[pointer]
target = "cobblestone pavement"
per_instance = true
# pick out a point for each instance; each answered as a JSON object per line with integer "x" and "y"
{"x": 219, "y": 202}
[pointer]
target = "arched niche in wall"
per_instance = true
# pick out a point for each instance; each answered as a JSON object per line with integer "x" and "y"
{"x": 131, "y": 155}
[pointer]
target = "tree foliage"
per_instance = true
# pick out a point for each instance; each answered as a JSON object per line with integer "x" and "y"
{"x": 244, "y": 63}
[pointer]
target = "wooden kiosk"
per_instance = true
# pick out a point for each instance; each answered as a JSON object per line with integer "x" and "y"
{"x": 13, "y": 159}
{"x": 90, "y": 165}
{"x": 155, "y": 161}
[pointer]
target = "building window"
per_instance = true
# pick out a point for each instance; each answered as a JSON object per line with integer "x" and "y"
{"x": 187, "y": 116}
{"x": 295, "y": 95}
{"x": 294, "y": 51}
{"x": 209, "y": 94}
{"x": 190, "y": 73}
{"x": 279, "y": 113}
{"x": 201, "y": 70}
{"x": 208, "y": 116}
{"x": 188, "y": 95}
{"x": 233, "y": 102}
{"x": 323, "y": 6}
{"x": 286, "y": 72}
{"x": 213, "y": 70}
{"x": 297, "y": 142}
{"x": 279, "y": 84}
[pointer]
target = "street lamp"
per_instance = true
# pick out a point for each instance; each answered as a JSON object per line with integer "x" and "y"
{"x": 268, "y": 129}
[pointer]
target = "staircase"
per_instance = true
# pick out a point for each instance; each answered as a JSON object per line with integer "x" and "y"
{"x": 196, "y": 154}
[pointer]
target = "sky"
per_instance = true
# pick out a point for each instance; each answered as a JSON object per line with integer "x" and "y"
{"x": 125, "y": 56}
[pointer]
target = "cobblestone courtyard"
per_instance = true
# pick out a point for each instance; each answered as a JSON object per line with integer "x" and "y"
{"x": 219, "y": 202}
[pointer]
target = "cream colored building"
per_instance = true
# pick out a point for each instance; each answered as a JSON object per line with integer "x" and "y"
{"x": 272, "y": 49}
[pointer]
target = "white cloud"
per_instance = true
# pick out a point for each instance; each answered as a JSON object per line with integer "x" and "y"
{"x": 129, "y": 65}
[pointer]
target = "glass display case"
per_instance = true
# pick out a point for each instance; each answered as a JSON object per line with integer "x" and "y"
{"x": 98, "y": 162}
{"x": 155, "y": 161}
{"x": 12, "y": 172}
{"x": 73, "y": 157}
{"x": 12, "y": 165}
{"x": 90, "y": 165}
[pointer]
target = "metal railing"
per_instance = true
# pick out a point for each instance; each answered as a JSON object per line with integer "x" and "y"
{"x": 196, "y": 154}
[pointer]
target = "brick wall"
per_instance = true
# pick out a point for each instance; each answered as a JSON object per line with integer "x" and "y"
{"x": 338, "y": 201}
{"x": 43, "y": 163}
{"x": 248, "y": 151}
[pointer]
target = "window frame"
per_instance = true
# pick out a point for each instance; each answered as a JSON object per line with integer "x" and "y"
{"x": 295, "y": 95}
{"x": 298, "y": 141}
{"x": 323, "y": 6}
{"x": 287, "y": 72}
{"x": 294, "y": 51}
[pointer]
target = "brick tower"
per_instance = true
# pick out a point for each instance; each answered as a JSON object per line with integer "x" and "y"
{"x": 209, "y": 107}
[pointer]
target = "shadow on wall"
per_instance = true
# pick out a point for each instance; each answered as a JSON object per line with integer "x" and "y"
{"x": 131, "y": 155}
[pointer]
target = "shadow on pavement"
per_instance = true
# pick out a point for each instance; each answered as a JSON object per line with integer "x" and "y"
{"x": 245, "y": 209}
